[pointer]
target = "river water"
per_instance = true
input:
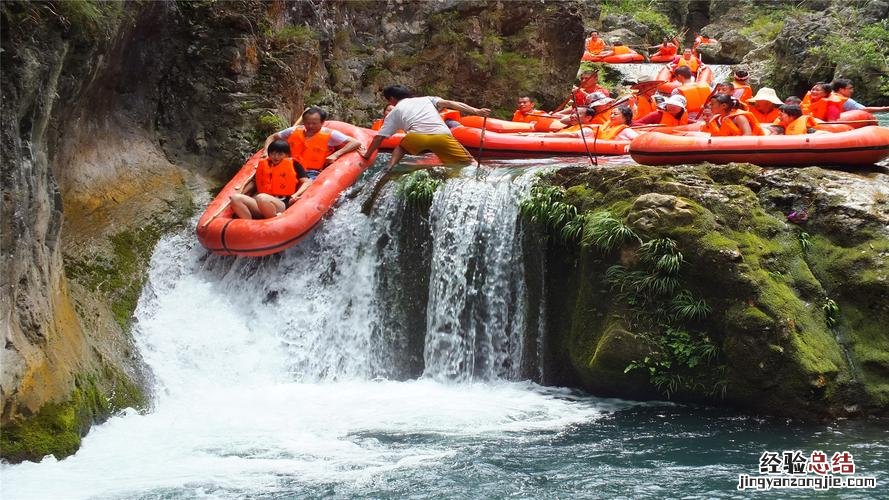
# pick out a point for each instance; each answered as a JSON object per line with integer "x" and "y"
{"x": 287, "y": 377}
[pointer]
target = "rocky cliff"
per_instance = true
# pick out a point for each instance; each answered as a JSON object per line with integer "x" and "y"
{"x": 115, "y": 115}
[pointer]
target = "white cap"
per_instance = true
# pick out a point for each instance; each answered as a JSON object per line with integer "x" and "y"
{"x": 676, "y": 100}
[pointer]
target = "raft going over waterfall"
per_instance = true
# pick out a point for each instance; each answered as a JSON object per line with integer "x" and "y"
{"x": 222, "y": 233}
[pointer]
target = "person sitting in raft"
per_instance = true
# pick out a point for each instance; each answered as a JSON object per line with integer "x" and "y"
{"x": 597, "y": 105}
{"x": 426, "y": 130}
{"x": 666, "y": 49}
{"x": 589, "y": 83}
{"x": 742, "y": 90}
{"x": 617, "y": 128}
{"x": 686, "y": 59}
{"x": 276, "y": 181}
{"x": 684, "y": 75}
{"x": 819, "y": 104}
{"x": 313, "y": 145}
{"x": 844, "y": 89}
{"x": 526, "y": 112}
{"x": 672, "y": 112}
{"x": 593, "y": 46}
{"x": 728, "y": 120}
{"x": 379, "y": 122}
{"x": 617, "y": 49}
{"x": 764, "y": 106}
{"x": 643, "y": 102}
{"x": 792, "y": 121}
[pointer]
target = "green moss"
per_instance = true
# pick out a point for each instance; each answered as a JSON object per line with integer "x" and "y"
{"x": 58, "y": 427}
{"x": 120, "y": 274}
{"x": 292, "y": 34}
{"x": 92, "y": 17}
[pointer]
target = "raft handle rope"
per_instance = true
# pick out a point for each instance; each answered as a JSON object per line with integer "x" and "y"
{"x": 593, "y": 161}
{"x": 481, "y": 145}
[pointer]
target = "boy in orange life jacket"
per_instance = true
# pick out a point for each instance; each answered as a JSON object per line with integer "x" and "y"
{"x": 526, "y": 112}
{"x": 313, "y": 145}
{"x": 276, "y": 181}
{"x": 792, "y": 121}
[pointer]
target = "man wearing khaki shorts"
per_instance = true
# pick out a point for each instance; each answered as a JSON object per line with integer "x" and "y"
{"x": 426, "y": 130}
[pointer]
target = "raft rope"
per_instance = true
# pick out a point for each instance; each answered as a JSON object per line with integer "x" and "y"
{"x": 593, "y": 161}
{"x": 481, "y": 145}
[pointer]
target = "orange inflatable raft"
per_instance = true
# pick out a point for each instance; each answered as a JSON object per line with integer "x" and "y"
{"x": 863, "y": 146}
{"x": 530, "y": 144}
{"x": 545, "y": 124}
{"x": 222, "y": 233}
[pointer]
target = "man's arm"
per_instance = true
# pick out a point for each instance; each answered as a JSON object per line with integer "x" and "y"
{"x": 374, "y": 145}
{"x": 463, "y": 108}
{"x": 351, "y": 145}
{"x": 876, "y": 109}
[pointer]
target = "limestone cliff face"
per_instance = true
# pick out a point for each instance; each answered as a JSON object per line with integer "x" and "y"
{"x": 114, "y": 112}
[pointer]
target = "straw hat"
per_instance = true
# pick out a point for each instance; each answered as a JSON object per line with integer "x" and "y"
{"x": 676, "y": 100}
{"x": 645, "y": 84}
{"x": 766, "y": 94}
{"x": 598, "y": 99}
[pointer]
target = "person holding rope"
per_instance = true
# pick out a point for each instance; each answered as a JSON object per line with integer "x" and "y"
{"x": 426, "y": 130}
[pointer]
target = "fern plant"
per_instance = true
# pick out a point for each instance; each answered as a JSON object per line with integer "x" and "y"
{"x": 418, "y": 188}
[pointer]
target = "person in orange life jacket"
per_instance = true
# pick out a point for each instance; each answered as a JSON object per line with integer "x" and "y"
{"x": 794, "y": 100}
{"x": 743, "y": 92}
{"x": 589, "y": 83}
{"x": 727, "y": 120}
{"x": 671, "y": 112}
{"x": 686, "y": 59}
{"x": 818, "y": 103}
{"x": 617, "y": 49}
{"x": 667, "y": 48}
{"x": 377, "y": 124}
{"x": 765, "y": 105}
{"x": 792, "y": 121}
{"x": 425, "y": 129}
{"x": 617, "y": 128}
{"x": 643, "y": 101}
{"x": 684, "y": 75}
{"x": 313, "y": 145}
{"x": 597, "y": 104}
{"x": 593, "y": 45}
{"x": 844, "y": 89}
{"x": 526, "y": 112}
{"x": 276, "y": 181}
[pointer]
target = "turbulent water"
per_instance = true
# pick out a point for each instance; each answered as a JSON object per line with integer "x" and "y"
{"x": 309, "y": 375}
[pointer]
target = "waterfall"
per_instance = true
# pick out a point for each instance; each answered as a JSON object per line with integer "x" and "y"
{"x": 477, "y": 301}
{"x": 632, "y": 72}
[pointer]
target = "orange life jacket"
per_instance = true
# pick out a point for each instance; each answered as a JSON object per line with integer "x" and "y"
{"x": 671, "y": 121}
{"x": 278, "y": 180}
{"x": 692, "y": 64}
{"x": 746, "y": 91}
{"x": 450, "y": 114}
{"x": 770, "y": 117}
{"x": 817, "y": 109}
{"x": 621, "y": 49}
{"x": 377, "y": 124}
{"x": 644, "y": 105}
{"x": 667, "y": 49}
{"x": 310, "y": 152}
{"x": 800, "y": 125}
{"x": 696, "y": 95}
{"x": 724, "y": 126}
{"x": 518, "y": 116}
{"x": 594, "y": 46}
{"x": 609, "y": 131}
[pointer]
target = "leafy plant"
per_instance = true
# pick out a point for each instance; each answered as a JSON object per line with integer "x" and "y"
{"x": 805, "y": 242}
{"x": 418, "y": 188}
{"x": 864, "y": 52}
{"x": 831, "y": 312}
{"x": 605, "y": 232}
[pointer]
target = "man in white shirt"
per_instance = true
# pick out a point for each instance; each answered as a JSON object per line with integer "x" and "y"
{"x": 426, "y": 130}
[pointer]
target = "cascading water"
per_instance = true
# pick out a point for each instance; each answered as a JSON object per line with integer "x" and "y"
{"x": 302, "y": 376}
{"x": 268, "y": 370}
{"x": 633, "y": 72}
